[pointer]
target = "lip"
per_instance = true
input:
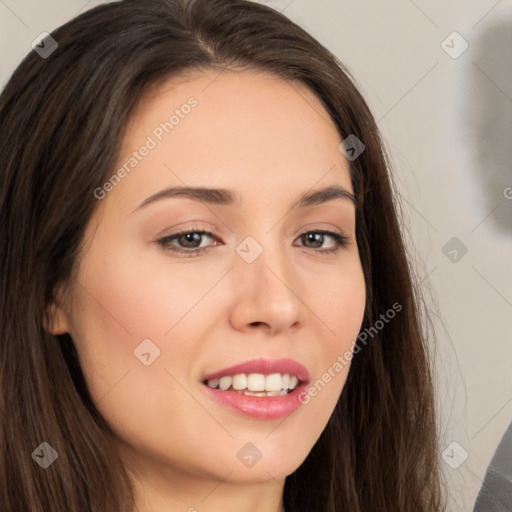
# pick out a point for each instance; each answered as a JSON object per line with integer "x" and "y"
{"x": 261, "y": 407}
{"x": 265, "y": 366}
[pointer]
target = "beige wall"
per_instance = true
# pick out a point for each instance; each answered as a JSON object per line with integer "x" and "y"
{"x": 448, "y": 122}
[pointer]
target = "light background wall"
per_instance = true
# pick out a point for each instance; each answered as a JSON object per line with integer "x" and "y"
{"x": 448, "y": 125}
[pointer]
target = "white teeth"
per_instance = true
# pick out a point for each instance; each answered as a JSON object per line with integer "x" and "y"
{"x": 225, "y": 383}
{"x": 256, "y": 384}
{"x": 214, "y": 383}
{"x": 264, "y": 393}
{"x": 273, "y": 382}
{"x": 240, "y": 381}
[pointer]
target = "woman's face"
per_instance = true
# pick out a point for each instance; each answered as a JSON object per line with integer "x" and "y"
{"x": 153, "y": 314}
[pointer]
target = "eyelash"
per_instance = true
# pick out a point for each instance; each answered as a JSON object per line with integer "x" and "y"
{"x": 340, "y": 239}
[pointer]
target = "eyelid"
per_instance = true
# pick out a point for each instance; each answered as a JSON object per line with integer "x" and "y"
{"x": 176, "y": 230}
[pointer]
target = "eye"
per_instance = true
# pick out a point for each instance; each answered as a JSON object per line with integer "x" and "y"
{"x": 318, "y": 238}
{"x": 191, "y": 242}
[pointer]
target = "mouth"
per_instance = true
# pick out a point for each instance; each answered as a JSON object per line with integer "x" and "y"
{"x": 256, "y": 384}
{"x": 261, "y": 388}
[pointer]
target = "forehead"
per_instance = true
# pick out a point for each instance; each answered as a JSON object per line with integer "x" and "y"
{"x": 233, "y": 109}
{"x": 254, "y": 130}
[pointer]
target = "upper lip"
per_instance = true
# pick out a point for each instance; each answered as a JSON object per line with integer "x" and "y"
{"x": 265, "y": 366}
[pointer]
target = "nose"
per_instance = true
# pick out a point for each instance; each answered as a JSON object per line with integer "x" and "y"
{"x": 268, "y": 295}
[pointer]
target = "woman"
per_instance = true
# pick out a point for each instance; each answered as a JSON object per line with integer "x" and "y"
{"x": 282, "y": 367}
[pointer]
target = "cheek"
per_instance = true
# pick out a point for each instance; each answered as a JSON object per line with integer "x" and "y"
{"x": 339, "y": 305}
{"x": 136, "y": 295}
{"x": 130, "y": 304}
{"x": 122, "y": 311}
{"x": 122, "y": 302}
{"x": 340, "y": 310}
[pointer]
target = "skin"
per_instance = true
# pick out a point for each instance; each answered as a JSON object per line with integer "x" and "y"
{"x": 269, "y": 141}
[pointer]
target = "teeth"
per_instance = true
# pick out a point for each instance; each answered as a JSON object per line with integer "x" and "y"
{"x": 225, "y": 383}
{"x": 214, "y": 383}
{"x": 273, "y": 382}
{"x": 257, "y": 384}
{"x": 240, "y": 381}
{"x": 281, "y": 392}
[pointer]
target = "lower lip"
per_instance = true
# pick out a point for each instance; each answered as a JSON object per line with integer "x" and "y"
{"x": 261, "y": 407}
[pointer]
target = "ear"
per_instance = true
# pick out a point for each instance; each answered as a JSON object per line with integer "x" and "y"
{"x": 58, "y": 318}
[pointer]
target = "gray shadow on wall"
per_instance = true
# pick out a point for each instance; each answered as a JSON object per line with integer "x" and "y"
{"x": 488, "y": 117}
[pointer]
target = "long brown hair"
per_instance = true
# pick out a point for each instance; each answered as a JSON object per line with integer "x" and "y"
{"x": 62, "y": 119}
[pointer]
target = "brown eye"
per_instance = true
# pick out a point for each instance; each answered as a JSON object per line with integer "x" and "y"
{"x": 186, "y": 241}
{"x": 318, "y": 238}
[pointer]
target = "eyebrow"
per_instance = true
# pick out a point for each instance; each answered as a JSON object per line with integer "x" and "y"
{"x": 226, "y": 197}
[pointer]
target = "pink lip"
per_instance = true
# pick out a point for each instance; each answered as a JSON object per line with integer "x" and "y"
{"x": 261, "y": 407}
{"x": 265, "y": 366}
